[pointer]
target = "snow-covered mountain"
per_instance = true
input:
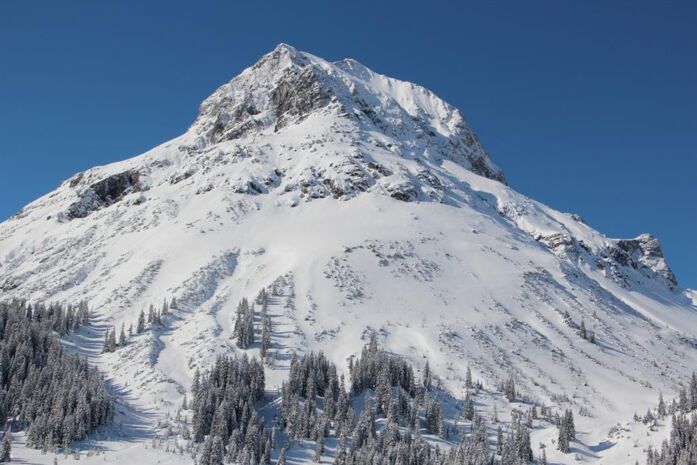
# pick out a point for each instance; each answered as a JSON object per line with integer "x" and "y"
{"x": 368, "y": 204}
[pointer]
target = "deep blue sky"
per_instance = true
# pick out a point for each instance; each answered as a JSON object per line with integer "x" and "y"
{"x": 590, "y": 107}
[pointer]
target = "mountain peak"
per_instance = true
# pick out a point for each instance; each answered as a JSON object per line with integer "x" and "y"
{"x": 351, "y": 204}
{"x": 287, "y": 87}
{"x": 285, "y": 54}
{"x": 285, "y": 48}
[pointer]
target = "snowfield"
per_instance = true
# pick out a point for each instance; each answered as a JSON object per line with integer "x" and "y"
{"x": 362, "y": 203}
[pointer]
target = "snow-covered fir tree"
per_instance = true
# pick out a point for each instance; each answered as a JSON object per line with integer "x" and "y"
{"x": 6, "y": 447}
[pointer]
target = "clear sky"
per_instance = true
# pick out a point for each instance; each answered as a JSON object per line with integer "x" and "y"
{"x": 588, "y": 106}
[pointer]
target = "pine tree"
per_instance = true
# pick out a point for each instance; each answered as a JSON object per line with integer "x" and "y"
{"x": 661, "y": 406}
{"x": 563, "y": 441}
{"x": 6, "y": 447}
{"x": 427, "y": 379}
{"x": 468, "y": 378}
{"x": 140, "y": 327}
{"x": 217, "y": 451}
{"x": 262, "y": 298}
{"x": 571, "y": 428}
{"x": 434, "y": 416}
{"x": 319, "y": 448}
{"x": 105, "y": 349}
{"x": 468, "y": 407}
{"x": 265, "y": 330}
{"x": 341, "y": 450}
{"x": 109, "y": 341}
{"x": 112, "y": 340}
{"x": 582, "y": 331}
{"x": 281, "y": 457}
{"x": 122, "y": 336}
{"x": 266, "y": 455}
{"x": 499, "y": 440}
{"x": 509, "y": 389}
{"x": 206, "y": 457}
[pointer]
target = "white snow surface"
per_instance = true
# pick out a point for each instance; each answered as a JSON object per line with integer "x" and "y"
{"x": 369, "y": 204}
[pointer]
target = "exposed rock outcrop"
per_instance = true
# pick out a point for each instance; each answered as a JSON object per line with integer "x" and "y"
{"x": 104, "y": 193}
{"x": 644, "y": 253}
{"x": 564, "y": 245}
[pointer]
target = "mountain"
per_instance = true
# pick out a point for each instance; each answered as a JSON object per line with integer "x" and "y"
{"x": 362, "y": 204}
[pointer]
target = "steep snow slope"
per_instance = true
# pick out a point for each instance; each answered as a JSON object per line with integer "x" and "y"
{"x": 368, "y": 203}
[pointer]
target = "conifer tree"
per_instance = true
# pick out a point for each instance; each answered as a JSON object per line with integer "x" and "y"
{"x": 509, "y": 389}
{"x": 105, "y": 349}
{"x": 582, "y": 331}
{"x": 434, "y": 416}
{"x": 217, "y": 451}
{"x": 319, "y": 448}
{"x": 112, "y": 340}
{"x": 151, "y": 314}
{"x": 427, "y": 379}
{"x": 265, "y": 330}
{"x": 262, "y": 297}
{"x": 499, "y": 440}
{"x": 109, "y": 341}
{"x": 140, "y": 327}
{"x": 468, "y": 407}
{"x": 6, "y": 447}
{"x": 661, "y": 406}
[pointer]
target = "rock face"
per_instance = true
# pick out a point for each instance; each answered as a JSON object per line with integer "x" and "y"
{"x": 103, "y": 193}
{"x": 644, "y": 253}
{"x": 565, "y": 246}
